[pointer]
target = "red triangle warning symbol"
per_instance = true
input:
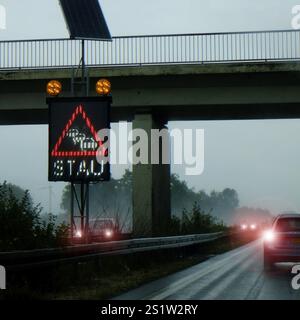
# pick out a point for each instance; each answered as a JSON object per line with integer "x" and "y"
{"x": 75, "y": 143}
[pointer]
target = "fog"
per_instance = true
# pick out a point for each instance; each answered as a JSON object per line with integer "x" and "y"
{"x": 259, "y": 159}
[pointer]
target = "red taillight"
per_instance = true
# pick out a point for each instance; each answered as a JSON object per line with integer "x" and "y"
{"x": 269, "y": 236}
{"x": 108, "y": 233}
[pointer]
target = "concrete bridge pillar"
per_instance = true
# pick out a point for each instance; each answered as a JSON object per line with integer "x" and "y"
{"x": 151, "y": 184}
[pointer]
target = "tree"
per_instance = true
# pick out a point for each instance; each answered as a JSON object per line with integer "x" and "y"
{"x": 113, "y": 199}
{"x": 230, "y": 199}
{"x": 220, "y": 204}
{"x": 17, "y": 191}
{"x": 21, "y": 226}
{"x": 223, "y": 204}
{"x": 182, "y": 197}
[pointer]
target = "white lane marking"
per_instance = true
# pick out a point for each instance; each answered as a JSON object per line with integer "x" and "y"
{"x": 227, "y": 281}
{"x": 217, "y": 280}
{"x": 185, "y": 281}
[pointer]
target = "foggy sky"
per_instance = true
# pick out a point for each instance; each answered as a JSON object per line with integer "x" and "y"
{"x": 260, "y": 159}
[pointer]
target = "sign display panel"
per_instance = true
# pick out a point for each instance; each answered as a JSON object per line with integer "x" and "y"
{"x": 76, "y": 151}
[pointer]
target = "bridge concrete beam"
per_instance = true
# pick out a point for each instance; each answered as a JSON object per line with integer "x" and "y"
{"x": 156, "y": 70}
{"x": 178, "y": 92}
{"x": 151, "y": 187}
{"x": 166, "y": 97}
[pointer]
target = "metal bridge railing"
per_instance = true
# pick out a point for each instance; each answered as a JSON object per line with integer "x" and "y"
{"x": 153, "y": 49}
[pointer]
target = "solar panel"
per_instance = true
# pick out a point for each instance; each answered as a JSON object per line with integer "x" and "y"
{"x": 85, "y": 19}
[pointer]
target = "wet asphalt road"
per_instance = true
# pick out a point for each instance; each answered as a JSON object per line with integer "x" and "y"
{"x": 237, "y": 275}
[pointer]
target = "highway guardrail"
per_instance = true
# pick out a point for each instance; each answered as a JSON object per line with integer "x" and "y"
{"x": 48, "y": 257}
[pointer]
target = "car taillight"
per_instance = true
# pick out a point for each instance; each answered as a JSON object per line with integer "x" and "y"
{"x": 108, "y": 233}
{"x": 253, "y": 226}
{"x": 269, "y": 236}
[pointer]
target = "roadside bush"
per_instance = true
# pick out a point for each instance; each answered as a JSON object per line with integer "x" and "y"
{"x": 198, "y": 221}
{"x": 21, "y": 225}
{"x": 195, "y": 221}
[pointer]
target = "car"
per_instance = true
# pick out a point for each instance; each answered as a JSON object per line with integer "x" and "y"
{"x": 249, "y": 226}
{"x": 103, "y": 229}
{"x": 282, "y": 242}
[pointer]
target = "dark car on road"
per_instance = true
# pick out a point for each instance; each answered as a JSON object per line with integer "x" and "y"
{"x": 101, "y": 229}
{"x": 282, "y": 241}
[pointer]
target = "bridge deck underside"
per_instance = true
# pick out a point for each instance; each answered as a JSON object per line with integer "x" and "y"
{"x": 209, "y": 112}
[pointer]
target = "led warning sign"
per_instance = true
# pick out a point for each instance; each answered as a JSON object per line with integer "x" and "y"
{"x": 76, "y": 151}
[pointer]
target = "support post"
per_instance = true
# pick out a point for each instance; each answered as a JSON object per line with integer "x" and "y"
{"x": 82, "y": 60}
{"x": 72, "y": 211}
{"x": 87, "y": 212}
{"x": 82, "y": 207}
{"x": 82, "y": 201}
{"x": 151, "y": 186}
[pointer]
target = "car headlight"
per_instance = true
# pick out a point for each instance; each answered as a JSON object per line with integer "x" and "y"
{"x": 78, "y": 234}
